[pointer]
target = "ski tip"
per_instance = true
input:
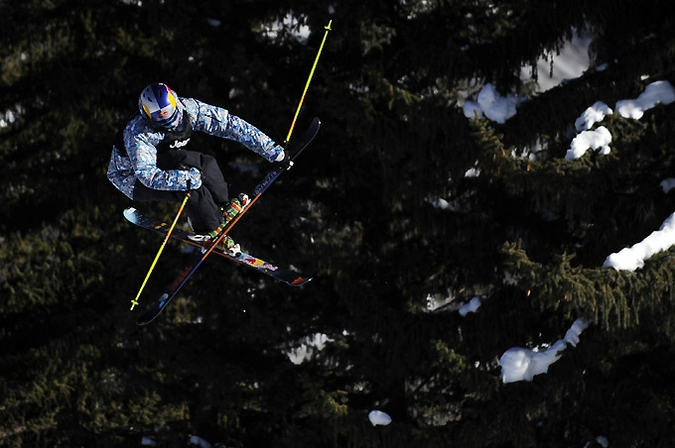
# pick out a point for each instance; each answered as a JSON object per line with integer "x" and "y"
{"x": 301, "y": 281}
{"x": 129, "y": 213}
{"x": 144, "y": 320}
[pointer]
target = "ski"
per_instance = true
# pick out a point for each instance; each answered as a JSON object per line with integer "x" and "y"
{"x": 278, "y": 273}
{"x": 157, "y": 307}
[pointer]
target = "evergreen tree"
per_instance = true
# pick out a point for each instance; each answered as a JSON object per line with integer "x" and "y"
{"x": 528, "y": 234}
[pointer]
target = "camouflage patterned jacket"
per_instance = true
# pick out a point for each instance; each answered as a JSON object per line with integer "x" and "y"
{"x": 138, "y": 158}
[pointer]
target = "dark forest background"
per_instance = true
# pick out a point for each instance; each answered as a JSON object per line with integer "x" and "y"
{"x": 356, "y": 211}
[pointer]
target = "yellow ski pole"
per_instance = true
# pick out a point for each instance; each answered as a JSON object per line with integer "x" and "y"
{"x": 309, "y": 79}
{"x": 134, "y": 302}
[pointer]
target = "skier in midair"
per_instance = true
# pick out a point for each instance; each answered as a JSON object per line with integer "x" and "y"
{"x": 149, "y": 161}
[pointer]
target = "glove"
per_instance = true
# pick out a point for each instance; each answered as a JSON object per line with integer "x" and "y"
{"x": 283, "y": 160}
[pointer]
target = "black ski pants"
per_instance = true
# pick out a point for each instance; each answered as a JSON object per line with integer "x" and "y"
{"x": 203, "y": 207}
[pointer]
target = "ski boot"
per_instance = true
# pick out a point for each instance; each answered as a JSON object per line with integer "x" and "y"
{"x": 235, "y": 206}
{"x": 230, "y": 247}
{"x": 227, "y": 244}
{"x": 231, "y": 210}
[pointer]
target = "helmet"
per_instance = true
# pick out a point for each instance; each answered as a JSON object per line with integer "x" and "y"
{"x": 159, "y": 104}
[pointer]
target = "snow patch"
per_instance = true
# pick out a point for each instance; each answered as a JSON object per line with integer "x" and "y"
{"x": 290, "y": 22}
{"x": 201, "y": 443}
{"x": 655, "y": 93}
{"x": 470, "y": 307}
{"x": 491, "y": 104}
{"x": 602, "y": 441}
{"x": 520, "y": 364}
{"x": 599, "y": 138}
{"x": 659, "y": 92}
{"x": 443, "y": 204}
{"x": 668, "y": 184}
{"x": 569, "y": 63}
{"x": 633, "y": 258}
{"x": 499, "y": 109}
{"x": 594, "y": 114}
{"x": 379, "y": 418}
{"x": 308, "y": 347}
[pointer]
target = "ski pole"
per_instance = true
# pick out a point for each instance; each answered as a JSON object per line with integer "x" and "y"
{"x": 166, "y": 238}
{"x": 309, "y": 79}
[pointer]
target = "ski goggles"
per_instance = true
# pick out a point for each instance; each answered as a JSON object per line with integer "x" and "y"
{"x": 168, "y": 117}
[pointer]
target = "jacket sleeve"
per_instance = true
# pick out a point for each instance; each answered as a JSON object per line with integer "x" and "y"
{"x": 140, "y": 142}
{"x": 214, "y": 120}
{"x": 121, "y": 173}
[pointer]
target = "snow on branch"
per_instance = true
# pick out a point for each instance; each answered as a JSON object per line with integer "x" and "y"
{"x": 522, "y": 364}
{"x": 655, "y": 93}
{"x": 497, "y": 108}
{"x": 659, "y": 92}
{"x": 492, "y": 105}
{"x": 598, "y": 138}
{"x": 633, "y": 258}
